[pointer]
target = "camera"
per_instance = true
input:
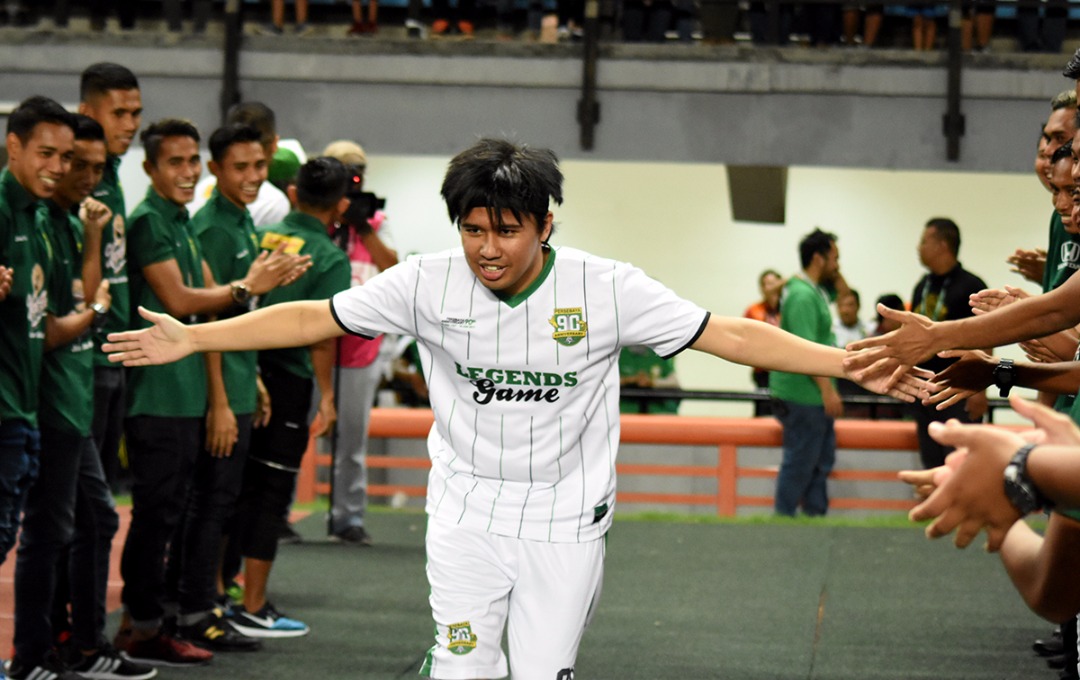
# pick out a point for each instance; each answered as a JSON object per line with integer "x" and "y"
{"x": 362, "y": 207}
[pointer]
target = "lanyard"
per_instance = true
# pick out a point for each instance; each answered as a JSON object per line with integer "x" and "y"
{"x": 939, "y": 306}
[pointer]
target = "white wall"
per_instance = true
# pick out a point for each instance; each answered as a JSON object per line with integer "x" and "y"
{"x": 674, "y": 221}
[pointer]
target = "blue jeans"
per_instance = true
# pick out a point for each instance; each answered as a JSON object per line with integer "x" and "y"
{"x": 809, "y": 456}
{"x": 19, "y": 447}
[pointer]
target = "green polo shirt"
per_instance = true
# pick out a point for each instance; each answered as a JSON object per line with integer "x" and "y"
{"x": 158, "y": 231}
{"x": 24, "y": 247}
{"x": 113, "y": 258}
{"x": 67, "y": 377}
{"x": 329, "y": 274}
{"x": 804, "y": 311}
{"x": 229, "y": 245}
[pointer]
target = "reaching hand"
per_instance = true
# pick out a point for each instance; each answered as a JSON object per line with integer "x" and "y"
{"x": 973, "y": 373}
{"x": 166, "y": 341}
{"x": 1038, "y": 352}
{"x": 989, "y": 299}
{"x": 1028, "y": 263}
{"x": 887, "y": 376}
{"x": 907, "y": 345}
{"x": 273, "y": 269}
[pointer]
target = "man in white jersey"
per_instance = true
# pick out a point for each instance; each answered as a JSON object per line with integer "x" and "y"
{"x": 520, "y": 343}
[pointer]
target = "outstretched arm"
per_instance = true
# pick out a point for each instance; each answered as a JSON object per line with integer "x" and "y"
{"x": 755, "y": 343}
{"x": 291, "y": 324}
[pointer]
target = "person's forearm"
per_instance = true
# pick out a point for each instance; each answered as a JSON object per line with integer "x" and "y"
{"x": 63, "y": 330}
{"x": 215, "y": 382}
{"x": 1055, "y": 471}
{"x": 824, "y": 385}
{"x": 91, "y": 266}
{"x": 381, "y": 256}
{"x": 1032, "y": 317}
{"x": 1059, "y": 378}
{"x": 183, "y": 301}
{"x": 758, "y": 344}
{"x": 291, "y": 324}
{"x": 323, "y": 356}
{"x": 1043, "y": 570}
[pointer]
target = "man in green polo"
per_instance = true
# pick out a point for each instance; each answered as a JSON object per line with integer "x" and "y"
{"x": 40, "y": 141}
{"x": 276, "y": 450}
{"x": 109, "y": 93}
{"x": 166, "y": 405}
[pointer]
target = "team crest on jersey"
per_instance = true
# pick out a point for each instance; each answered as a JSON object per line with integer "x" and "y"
{"x": 116, "y": 250}
{"x": 271, "y": 241}
{"x": 569, "y": 326}
{"x": 37, "y": 301}
{"x": 462, "y": 639}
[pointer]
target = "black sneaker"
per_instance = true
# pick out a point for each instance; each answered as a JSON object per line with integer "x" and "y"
{"x": 107, "y": 664}
{"x": 288, "y": 536}
{"x": 354, "y": 536}
{"x": 218, "y": 635}
{"x": 268, "y": 623}
{"x": 50, "y": 668}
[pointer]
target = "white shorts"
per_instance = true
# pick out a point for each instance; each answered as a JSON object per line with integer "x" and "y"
{"x": 542, "y": 593}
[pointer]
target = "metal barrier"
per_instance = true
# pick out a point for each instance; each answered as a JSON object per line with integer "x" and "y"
{"x": 726, "y": 434}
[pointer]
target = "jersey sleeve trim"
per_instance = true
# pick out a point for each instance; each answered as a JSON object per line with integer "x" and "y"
{"x": 333, "y": 313}
{"x": 693, "y": 339}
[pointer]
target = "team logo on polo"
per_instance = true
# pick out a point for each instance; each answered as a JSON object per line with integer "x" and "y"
{"x": 37, "y": 300}
{"x": 462, "y": 639}
{"x": 569, "y": 326}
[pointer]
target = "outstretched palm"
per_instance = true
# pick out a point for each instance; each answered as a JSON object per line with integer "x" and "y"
{"x": 163, "y": 343}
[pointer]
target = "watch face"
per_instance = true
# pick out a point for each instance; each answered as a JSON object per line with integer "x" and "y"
{"x": 1018, "y": 493}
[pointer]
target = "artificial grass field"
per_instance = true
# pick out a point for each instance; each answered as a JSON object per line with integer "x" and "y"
{"x": 739, "y": 600}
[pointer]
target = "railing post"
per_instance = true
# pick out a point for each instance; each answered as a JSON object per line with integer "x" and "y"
{"x": 727, "y": 482}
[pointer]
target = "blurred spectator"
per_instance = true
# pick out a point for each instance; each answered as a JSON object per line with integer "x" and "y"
{"x": 277, "y": 18}
{"x": 174, "y": 14}
{"x": 848, "y": 327}
{"x": 760, "y": 24}
{"x": 883, "y": 325}
{"x": 361, "y": 26}
{"x": 642, "y": 367}
{"x": 875, "y": 14}
{"x": 458, "y": 19}
{"x": 977, "y": 25}
{"x": 924, "y": 20}
{"x": 1050, "y": 35}
{"x": 768, "y": 310}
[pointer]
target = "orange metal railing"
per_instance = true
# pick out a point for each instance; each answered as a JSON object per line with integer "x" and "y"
{"x": 726, "y": 434}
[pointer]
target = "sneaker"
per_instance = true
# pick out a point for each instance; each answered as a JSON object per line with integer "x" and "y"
{"x": 357, "y": 28}
{"x": 107, "y": 664}
{"x": 414, "y": 29}
{"x": 304, "y": 29}
{"x": 217, "y": 634}
{"x": 50, "y": 668}
{"x": 288, "y": 536}
{"x": 354, "y": 536}
{"x": 163, "y": 650}
{"x": 268, "y": 623}
{"x": 270, "y": 29}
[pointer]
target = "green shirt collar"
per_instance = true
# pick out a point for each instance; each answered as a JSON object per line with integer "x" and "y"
{"x": 16, "y": 194}
{"x": 304, "y": 222}
{"x": 515, "y": 300}
{"x": 165, "y": 207}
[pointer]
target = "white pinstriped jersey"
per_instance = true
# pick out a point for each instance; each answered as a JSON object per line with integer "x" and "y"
{"x": 525, "y": 390}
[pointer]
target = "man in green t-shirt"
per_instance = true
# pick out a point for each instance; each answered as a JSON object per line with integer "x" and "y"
{"x": 276, "y": 450}
{"x": 229, "y": 244}
{"x": 70, "y": 503}
{"x": 807, "y": 405}
{"x": 39, "y": 143}
{"x": 109, "y": 93}
{"x": 165, "y": 408}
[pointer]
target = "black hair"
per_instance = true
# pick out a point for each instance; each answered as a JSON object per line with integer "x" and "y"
{"x": 762, "y": 275}
{"x": 88, "y": 130}
{"x": 853, "y": 293}
{"x": 166, "y": 127}
{"x": 321, "y": 182}
{"x": 1072, "y": 69}
{"x": 33, "y": 111}
{"x": 498, "y": 175}
{"x": 227, "y": 135}
{"x": 890, "y": 300}
{"x": 257, "y": 115}
{"x": 816, "y": 242}
{"x": 98, "y": 79}
{"x": 1061, "y": 153}
{"x": 947, "y": 231}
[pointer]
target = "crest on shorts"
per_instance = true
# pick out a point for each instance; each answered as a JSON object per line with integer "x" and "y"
{"x": 462, "y": 639}
{"x": 569, "y": 324}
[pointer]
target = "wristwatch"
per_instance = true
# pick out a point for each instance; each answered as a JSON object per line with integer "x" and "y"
{"x": 1004, "y": 376}
{"x": 240, "y": 292}
{"x": 99, "y": 309}
{"x": 1019, "y": 488}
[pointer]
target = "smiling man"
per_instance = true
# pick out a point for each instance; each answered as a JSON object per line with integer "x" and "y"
{"x": 109, "y": 93}
{"x": 519, "y": 343}
{"x": 40, "y": 142}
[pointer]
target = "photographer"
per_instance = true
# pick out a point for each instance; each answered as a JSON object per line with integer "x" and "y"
{"x": 361, "y": 234}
